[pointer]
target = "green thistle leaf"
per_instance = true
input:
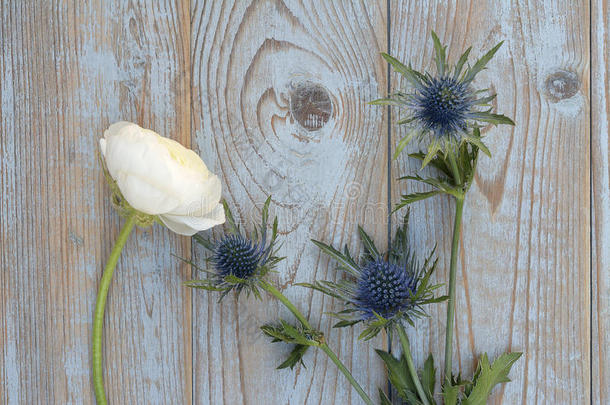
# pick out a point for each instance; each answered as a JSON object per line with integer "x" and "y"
{"x": 451, "y": 393}
{"x": 440, "y": 57}
{"x": 346, "y": 262}
{"x": 496, "y": 119}
{"x": 404, "y": 142}
{"x": 369, "y": 245}
{"x": 488, "y": 376}
{"x": 205, "y": 242}
{"x": 433, "y": 149}
{"x": 204, "y": 285}
{"x": 485, "y": 100}
{"x": 478, "y": 142}
{"x": 295, "y": 357}
{"x": 438, "y": 162}
{"x": 233, "y": 228}
{"x": 384, "y": 398}
{"x": 386, "y": 101}
{"x": 481, "y": 63}
{"x": 429, "y": 377}
{"x": 460, "y": 64}
{"x": 412, "y": 76}
{"x": 407, "y": 199}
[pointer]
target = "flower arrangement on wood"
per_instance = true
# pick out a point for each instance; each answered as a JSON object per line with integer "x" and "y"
{"x": 384, "y": 291}
{"x": 443, "y": 110}
{"x": 381, "y": 290}
{"x": 153, "y": 179}
{"x": 241, "y": 261}
{"x": 445, "y": 114}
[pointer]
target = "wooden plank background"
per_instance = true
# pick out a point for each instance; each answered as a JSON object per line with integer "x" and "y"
{"x": 229, "y": 79}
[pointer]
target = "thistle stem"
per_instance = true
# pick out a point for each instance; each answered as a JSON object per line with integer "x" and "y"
{"x": 459, "y": 206}
{"x": 454, "y": 168}
{"x": 404, "y": 341}
{"x": 325, "y": 348}
{"x": 100, "y": 306}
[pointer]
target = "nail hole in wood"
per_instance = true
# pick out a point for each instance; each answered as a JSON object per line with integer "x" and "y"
{"x": 310, "y": 105}
{"x": 561, "y": 85}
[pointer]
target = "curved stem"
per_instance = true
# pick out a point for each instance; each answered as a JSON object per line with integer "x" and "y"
{"x": 459, "y": 206}
{"x": 404, "y": 341}
{"x": 325, "y": 348}
{"x": 100, "y": 306}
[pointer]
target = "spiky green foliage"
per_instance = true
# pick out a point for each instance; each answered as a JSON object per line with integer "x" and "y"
{"x": 238, "y": 260}
{"x": 457, "y": 391}
{"x": 452, "y": 173}
{"x": 299, "y": 336}
{"x": 441, "y": 109}
{"x": 398, "y": 293}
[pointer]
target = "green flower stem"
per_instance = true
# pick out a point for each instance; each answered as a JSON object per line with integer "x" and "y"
{"x": 454, "y": 168}
{"x": 404, "y": 340}
{"x": 277, "y": 294}
{"x": 100, "y": 305}
{"x": 459, "y": 206}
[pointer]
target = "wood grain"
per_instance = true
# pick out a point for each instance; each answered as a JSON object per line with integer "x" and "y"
{"x": 246, "y": 83}
{"x": 68, "y": 70}
{"x": 248, "y": 60}
{"x": 600, "y": 172}
{"x": 524, "y": 278}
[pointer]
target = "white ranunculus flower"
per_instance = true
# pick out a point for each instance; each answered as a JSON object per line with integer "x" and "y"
{"x": 158, "y": 176}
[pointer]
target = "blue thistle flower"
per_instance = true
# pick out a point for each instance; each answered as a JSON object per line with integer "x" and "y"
{"x": 444, "y": 108}
{"x": 236, "y": 255}
{"x": 383, "y": 289}
{"x": 239, "y": 261}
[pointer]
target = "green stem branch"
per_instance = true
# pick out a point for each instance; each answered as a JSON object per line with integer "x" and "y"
{"x": 325, "y": 348}
{"x": 404, "y": 341}
{"x": 459, "y": 206}
{"x": 454, "y": 168}
{"x": 100, "y": 306}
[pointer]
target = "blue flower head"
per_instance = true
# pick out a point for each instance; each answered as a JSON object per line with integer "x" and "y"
{"x": 443, "y": 109}
{"x": 381, "y": 289}
{"x": 384, "y": 288}
{"x": 442, "y": 106}
{"x": 238, "y": 260}
{"x": 236, "y": 255}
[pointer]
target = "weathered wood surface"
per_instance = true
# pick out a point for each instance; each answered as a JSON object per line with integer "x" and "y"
{"x": 234, "y": 79}
{"x": 68, "y": 70}
{"x": 252, "y": 61}
{"x": 600, "y": 212}
{"x": 518, "y": 287}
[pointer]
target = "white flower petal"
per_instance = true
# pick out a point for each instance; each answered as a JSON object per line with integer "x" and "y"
{"x": 190, "y": 225}
{"x": 103, "y": 147}
{"x": 200, "y": 197}
{"x": 159, "y": 176}
{"x": 143, "y": 196}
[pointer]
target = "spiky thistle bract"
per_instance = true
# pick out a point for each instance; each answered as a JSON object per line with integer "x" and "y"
{"x": 441, "y": 109}
{"x": 381, "y": 289}
{"x": 453, "y": 174}
{"x": 238, "y": 260}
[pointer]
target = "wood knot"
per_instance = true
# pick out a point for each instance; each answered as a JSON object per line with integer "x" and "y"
{"x": 561, "y": 85}
{"x": 310, "y": 105}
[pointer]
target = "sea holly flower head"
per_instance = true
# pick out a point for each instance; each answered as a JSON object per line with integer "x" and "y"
{"x": 382, "y": 289}
{"x": 441, "y": 109}
{"x": 238, "y": 260}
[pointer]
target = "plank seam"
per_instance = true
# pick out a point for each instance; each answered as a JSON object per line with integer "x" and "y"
{"x": 389, "y": 164}
{"x": 591, "y": 200}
